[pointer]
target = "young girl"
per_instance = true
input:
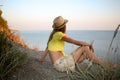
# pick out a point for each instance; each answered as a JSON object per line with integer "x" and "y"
{"x": 55, "y": 47}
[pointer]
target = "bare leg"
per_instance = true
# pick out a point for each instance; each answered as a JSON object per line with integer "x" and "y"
{"x": 78, "y": 54}
{"x": 81, "y": 58}
{"x": 82, "y": 53}
{"x": 92, "y": 56}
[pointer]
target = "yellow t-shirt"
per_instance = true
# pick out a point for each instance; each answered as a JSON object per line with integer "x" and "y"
{"x": 56, "y": 44}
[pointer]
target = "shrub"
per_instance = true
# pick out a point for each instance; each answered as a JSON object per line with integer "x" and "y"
{"x": 10, "y": 57}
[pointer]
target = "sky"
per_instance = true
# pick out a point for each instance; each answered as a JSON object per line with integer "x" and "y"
{"x": 81, "y": 14}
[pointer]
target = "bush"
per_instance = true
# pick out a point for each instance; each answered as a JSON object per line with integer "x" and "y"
{"x": 10, "y": 57}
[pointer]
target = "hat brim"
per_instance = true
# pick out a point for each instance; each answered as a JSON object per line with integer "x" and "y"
{"x": 61, "y": 26}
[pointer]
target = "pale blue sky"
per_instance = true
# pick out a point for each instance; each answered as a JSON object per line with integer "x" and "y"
{"x": 82, "y": 14}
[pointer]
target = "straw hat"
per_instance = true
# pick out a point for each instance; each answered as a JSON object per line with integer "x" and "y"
{"x": 59, "y": 22}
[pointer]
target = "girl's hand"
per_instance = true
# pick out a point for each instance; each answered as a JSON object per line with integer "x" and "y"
{"x": 91, "y": 48}
{"x": 44, "y": 54}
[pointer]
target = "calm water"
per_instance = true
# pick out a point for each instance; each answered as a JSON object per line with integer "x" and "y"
{"x": 101, "y": 39}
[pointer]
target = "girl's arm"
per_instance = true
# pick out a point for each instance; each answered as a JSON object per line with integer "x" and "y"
{"x": 44, "y": 54}
{"x": 79, "y": 43}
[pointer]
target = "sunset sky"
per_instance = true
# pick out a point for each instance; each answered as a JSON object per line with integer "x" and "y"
{"x": 82, "y": 14}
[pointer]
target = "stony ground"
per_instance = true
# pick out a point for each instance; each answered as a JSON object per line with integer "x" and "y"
{"x": 34, "y": 70}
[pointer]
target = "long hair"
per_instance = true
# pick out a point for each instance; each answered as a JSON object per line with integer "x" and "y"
{"x": 63, "y": 30}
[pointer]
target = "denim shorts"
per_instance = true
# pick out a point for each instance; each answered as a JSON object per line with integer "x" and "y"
{"x": 65, "y": 63}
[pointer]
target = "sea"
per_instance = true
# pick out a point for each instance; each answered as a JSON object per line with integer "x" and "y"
{"x": 101, "y": 40}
